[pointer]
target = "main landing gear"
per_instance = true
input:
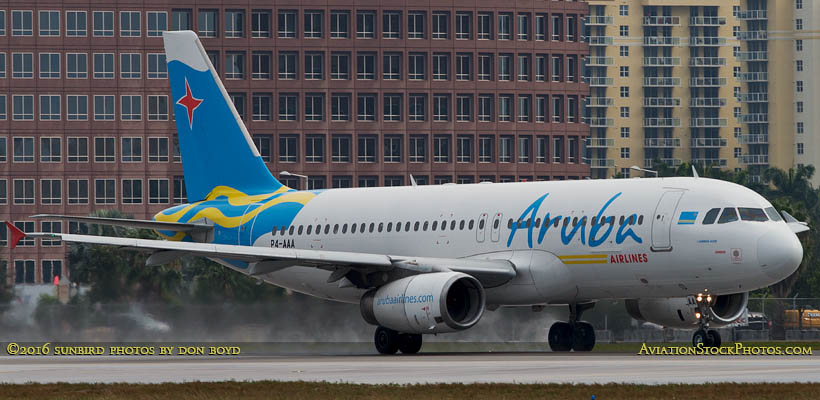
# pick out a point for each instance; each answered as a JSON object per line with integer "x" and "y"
{"x": 573, "y": 335}
{"x": 389, "y": 341}
{"x": 705, "y": 336}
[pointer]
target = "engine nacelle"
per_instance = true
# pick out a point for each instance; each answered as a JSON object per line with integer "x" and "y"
{"x": 679, "y": 312}
{"x": 427, "y": 303}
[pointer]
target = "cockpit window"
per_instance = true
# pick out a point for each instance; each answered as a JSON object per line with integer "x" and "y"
{"x": 711, "y": 216}
{"x": 752, "y": 214}
{"x": 729, "y": 215}
{"x": 773, "y": 214}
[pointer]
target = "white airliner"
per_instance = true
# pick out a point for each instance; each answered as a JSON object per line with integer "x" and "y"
{"x": 683, "y": 252}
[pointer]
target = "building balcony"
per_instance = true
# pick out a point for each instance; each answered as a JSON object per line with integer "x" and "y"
{"x": 661, "y": 61}
{"x": 661, "y": 122}
{"x": 708, "y": 143}
{"x": 753, "y": 77}
{"x": 600, "y": 122}
{"x": 707, "y": 82}
{"x": 661, "y": 41}
{"x": 599, "y": 20}
{"x": 671, "y": 162}
{"x": 661, "y": 102}
{"x": 708, "y": 122}
{"x": 749, "y": 15}
{"x": 600, "y": 162}
{"x": 599, "y": 143}
{"x": 600, "y": 40}
{"x": 599, "y": 61}
{"x": 753, "y": 139}
{"x": 753, "y": 97}
{"x": 755, "y": 118}
{"x": 661, "y": 21}
{"x": 698, "y": 102}
{"x": 754, "y": 159}
{"x": 706, "y": 162}
{"x": 598, "y": 81}
{"x": 707, "y": 61}
{"x": 752, "y": 56}
{"x": 661, "y": 81}
{"x": 752, "y": 35}
{"x": 600, "y": 101}
{"x": 661, "y": 143}
{"x": 706, "y": 41}
{"x": 707, "y": 21}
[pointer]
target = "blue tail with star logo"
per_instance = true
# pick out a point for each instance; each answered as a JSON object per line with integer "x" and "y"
{"x": 217, "y": 150}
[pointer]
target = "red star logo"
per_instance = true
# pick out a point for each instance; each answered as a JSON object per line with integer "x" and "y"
{"x": 190, "y": 103}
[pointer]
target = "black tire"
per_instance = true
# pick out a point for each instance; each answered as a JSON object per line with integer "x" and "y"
{"x": 583, "y": 337}
{"x": 560, "y": 336}
{"x": 714, "y": 337}
{"x": 409, "y": 343}
{"x": 700, "y": 337}
{"x": 387, "y": 340}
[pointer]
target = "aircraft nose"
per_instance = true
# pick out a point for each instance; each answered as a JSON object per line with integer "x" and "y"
{"x": 779, "y": 253}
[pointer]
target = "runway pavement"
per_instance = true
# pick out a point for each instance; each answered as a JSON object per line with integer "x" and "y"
{"x": 423, "y": 368}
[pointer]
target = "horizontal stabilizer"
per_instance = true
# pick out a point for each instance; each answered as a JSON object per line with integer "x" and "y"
{"x": 130, "y": 223}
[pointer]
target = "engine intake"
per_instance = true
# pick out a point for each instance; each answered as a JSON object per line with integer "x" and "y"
{"x": 679, "y": 312}
{"x": 427, "y": 303}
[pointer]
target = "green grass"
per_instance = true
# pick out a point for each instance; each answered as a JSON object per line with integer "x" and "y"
{"x": 306, "y": 390}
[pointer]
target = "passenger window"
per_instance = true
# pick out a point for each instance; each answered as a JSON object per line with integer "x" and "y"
{"x": 435, "y": 226}
{"x": 640, "y": 220}
{"x": 424, "y": 227}
{"x": 557, "y": 221}
{"x": 352, "y": 228}
{"x": 389, "y": 226}
{"x": 710, "y": 217}
{"x": 773, "y": 214}
{"x": 381, "y": 226}
{"x": 319, "y": 229}
{"x": 752, "y": 214}
{"x": 344, "y": 228}
{"x": 481, "y": 224}
{"x": 444, "y": 225}
{"x": 327, "y": 229}
{"x": 273, "y": 231}
{"x": 461, "y": 225}
{"x": 621, "y": 221}
{"x": 416, "y": 226}
{"x": 398, "y": 226}
{"x": 729, "y": 215}
{"x": 282, "y": 230}
{"x": 290, "y": 231}
{"x": 407, "y": 227}
{"x": 309, "y": 229}
{"x": 372, "y": 226}
{"x": 509, "y": 223}
{"x": 361, "y": 227}
{"x": 566, "y": 221}
{"x": 453, "y": 225}
{"x": 495, "y": 224}
{"x": 632, "y": 219}
{"x": 335, "y": 229}
{"x": 300, "y": 229}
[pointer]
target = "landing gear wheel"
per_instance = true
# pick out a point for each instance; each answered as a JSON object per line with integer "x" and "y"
{"x": 560, "y": 336}
{"x": 387, "y": 340}
{"x": 583, "y": 337}
{"x": 714, "y": 337}
{"x": 701, "y": 337}
{"x": 409, "y": 343}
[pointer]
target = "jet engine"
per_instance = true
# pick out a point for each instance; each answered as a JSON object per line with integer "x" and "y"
{"x": 682, "y": 312}
{"x": 427, "y": 303}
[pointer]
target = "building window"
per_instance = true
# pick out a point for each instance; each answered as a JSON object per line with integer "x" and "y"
{"x": 365, "y": 66}
{"x": 339, "y": 66}
{"x": 623, "y": 10}
{"x": 798, "y": 24}
{"x": 624, "y": 71}
{"x": 22, "y": 108}
{"x": 130, "y": 24}
{"x": 441, "y": 107}
{"x": 485, "y": 67}
{"x": 131, "y": 150}
{"x": 23, "y": 149}
{"x": 313, "y": 24}
{"x": 131, "y": 108}
{"x": 339, "y": 24}
{"x": 235, "y": 65}
{"x": 391, "y": 24}
{"x": 288, "y": 148}
{"x": 391, "y": 68}
{"x": 3, "y": 112}
{"x": 158, "y": 191}
{"x": 624, "y": 112}
{"x": 77, "y": 149}
{"x": 234, "y": 23}
{"x": 49, "y": 107}
{"x": 75, "y": 23}
{"x": 287, "y": 65}
{"x": 50, "y": 149}
{"x": 540, "y": 27}
{"x": 504, "y": 26}
{"x": 131, "y": 191}
{"x": 799, "y": 86}
{"x": 130, "y": 66}
{"x": 180, "y": 20}
{"x": 366, "y": 25}
{"x": 623, "y": 51}
{"x": 157, "y": 23}
{"x": 51, "y": 191}
{"x": 261, "y": 107}
{"x": 104, "y": 149}
{"x": 441, "y": 25}
{"x": 464, "y": 21}
{"x": 485, "y": 108}
{"x": 77, "y": 191}
{"x": 415, "y": 24}
{"x": 464, "y": 149}
{"x": 800, "y": 128}
{"x": 392, "y": 107}
{"x": 441, "y": 148}
{"x": 624, "y": 92}
{"x": 103, "y": 65}
{"x": 625, "y": 132}
{"x": 367, "y": 149}
{"x": 103, "y": 23}
{"x": 180, "y": 195}
{"x": 523, "y": 67}
{"x": 77, "y": 107}
{"x": 798, "y": 44}
{"x": 314, "y": 106}
{"x": 345, "y": 181}
{"x": 524, "y": 106}
{"x": 368, "y": 181}
{"x": 24, "y": 191}
{"x": 21, "y": 22}
{"x": 484, "y": 26}
{"x": 340, "y": 107}
{"x": 157, "y": 108}
{"x": 799, "y": 65}
{"x": 287, "y": 24}
{"x": 315, "y": 148}
{"x": 418, "y": 149}
{"x": 49, "y": 23}
{"x": 288, "y": 106}
{"x": 416, "y": 66}
{"x": 366, "y": 107}
{"x": 485, "y": 148}
{"x": 314, "y": 65}
{"x": 392, "y": 148}
{"x": 22, "y": 65}
{"x": 464, "y": 108}
{"x": 263, "y": 146}
{"x": 158, "y": 149}
{"x": 103, "y": 108}
{"x": 441, "y": 66}
{"x": 105, "y": 191}
{"x": 417, "y": 107}
{"x": 799, "y": 148}
{"x": 505, "y": 148}
{"x": 260, "y": 24}
{"x": 504, "y": 67}
{"x": 76, "y": 66}
{"x": 799, "y": 106}
{"x": 504, "y": 108}
{"x": 523, "y": 26}
{"x": 157, "y": 68}
{"x": 340, "y": 148}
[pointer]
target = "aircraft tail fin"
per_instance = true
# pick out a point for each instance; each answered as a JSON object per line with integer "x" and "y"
{"x": 217, "y": 150}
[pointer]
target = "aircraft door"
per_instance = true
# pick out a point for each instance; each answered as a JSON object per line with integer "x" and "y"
{"x": 481, "y": 228}
{"x": 496, "y": 227}
{"x": 662, "y": 221}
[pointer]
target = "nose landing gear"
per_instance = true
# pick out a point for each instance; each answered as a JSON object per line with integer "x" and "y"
{"x": 573, "y": 335}
{"x": 704, "y": 336}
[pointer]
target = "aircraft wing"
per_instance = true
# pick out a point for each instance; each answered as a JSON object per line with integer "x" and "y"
{"x": 262, "y": 260}
{"x": 795, "y": 225}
